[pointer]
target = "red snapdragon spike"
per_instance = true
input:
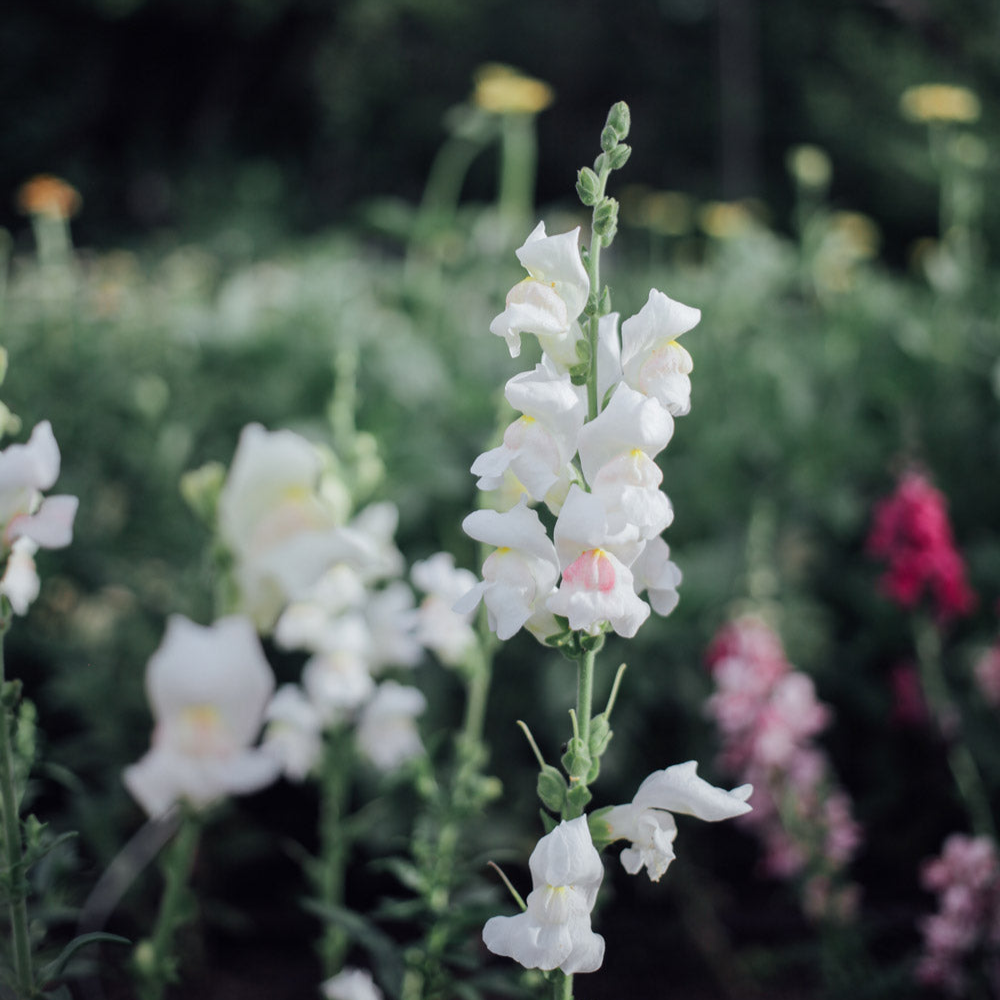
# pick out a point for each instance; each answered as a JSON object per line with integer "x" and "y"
{"x": 910, "y": 530}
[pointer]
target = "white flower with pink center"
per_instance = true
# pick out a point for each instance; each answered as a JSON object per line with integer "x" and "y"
{"x": 652, "y": 360}
{"x": 208, "y": 688}
{"x": 597, "y": 586}
{"x": 519, "y": 576}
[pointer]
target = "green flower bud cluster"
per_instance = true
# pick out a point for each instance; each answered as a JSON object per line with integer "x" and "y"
{"x": 590, "y": 183}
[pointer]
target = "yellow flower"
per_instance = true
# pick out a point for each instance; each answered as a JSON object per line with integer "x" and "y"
{"x": 504, "y": 90}
{"x": 858, "y": 236}
{"x": 48, "y": 195}
{"x": 725, "y": 219}
{"x": 810, "y": 166}
{"x": 939, "y": 102}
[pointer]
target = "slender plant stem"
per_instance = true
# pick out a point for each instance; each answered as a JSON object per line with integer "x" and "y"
{"x": 334, "y": 845}
{"x": 13, "y": 844}
{"x": 964, "y": 769}
{"x": 155, "y": 961}
{"x": 518, "y": 155}
{"x": 594, "y": 273}
{"x": 563, "y": 987}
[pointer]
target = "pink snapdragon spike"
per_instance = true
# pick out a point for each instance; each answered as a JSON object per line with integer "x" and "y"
{"x": 768, "y": 717}
{"x": 910, "y": 530}
{"x": 966, "y": 880}
{"x": 208, "y": 688}
{"x": 554, "y": 931}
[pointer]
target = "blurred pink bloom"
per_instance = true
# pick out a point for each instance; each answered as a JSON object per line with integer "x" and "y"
{"x": 768, "y": 716}
{"x": 966, "y": 879}
{"x": 910, "y": 530}
{"x": 909, "y": 707}
{"x": 986, "y": 671}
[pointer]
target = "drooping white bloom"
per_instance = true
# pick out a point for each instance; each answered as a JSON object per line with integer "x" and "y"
{"x": 310, "y": 623}
{"x": 597, "y": 585}
{"x": 351, "y": 984}
{"x": 293, "y": 733}
{"x": 26, "y": 471}
{"x": 538, "y": 446}
{"x": 652, "y": 360}
{"x": 281, "y": 532}
{"x": 387, "y": 730}
{"x": 373, "y": 532}
{"x": 548, "y": 302}
{"x": 647, "y": 821}
{"x": 655, "y": 574}
{"x": 617, "y": 452}
{"x": 554, "y": 931}
{"x": 208, "y": 687}
{"x": 444, "y": 631}
{"x": 20, "y": 583}
{"x": 519, "y": 576}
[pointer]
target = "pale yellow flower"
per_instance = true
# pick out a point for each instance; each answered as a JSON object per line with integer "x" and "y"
{"x": 940, "y": 102}
{"x": 726, "y": 220}
{"x": 858, "y": 235}
{"x": 810, "y": 166}
{"x": 504, "y": 90}
{"x": 46, "y": 194}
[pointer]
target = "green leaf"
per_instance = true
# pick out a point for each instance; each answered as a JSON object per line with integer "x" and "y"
{"x": 55, "y": 968}
{"x": 552, "y": 788}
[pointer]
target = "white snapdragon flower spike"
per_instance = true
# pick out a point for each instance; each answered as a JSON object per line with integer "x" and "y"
{"x": 597, "y": 585}
{"x": 548, "y": 302}
{"x": 554, "y": 931}
{"x": 648, "y": 822}
{"x": 351, "y": 984}
{"x": 387, "y": 730}
{"x": 310, "y": 623}
{"x": 538, "y": 446}
{"x": 207, "y": 688}
{"x": 281, "y": 532}
{"x": 652, "y": 360}
{"x": 373, "y": 532}
{"x": 293, "y": 733}
{"x": 26, "y": 471}
{"x": 617, "y": 452}
{"x": 655, "y": 574}
{"x": 445, "y": 632}
{"x": 519, "y": 576}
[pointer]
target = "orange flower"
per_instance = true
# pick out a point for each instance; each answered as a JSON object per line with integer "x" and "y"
{"x": 46, "y": 194}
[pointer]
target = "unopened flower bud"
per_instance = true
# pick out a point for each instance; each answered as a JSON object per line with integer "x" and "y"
{"x": 577, "y": 759}
{"x": 552, "y": 788}
{"x": 618, "y": 157}
{"x": 587, "y": 186}
{"x": 609, "y": 139}
{"x": 619, "y": 119}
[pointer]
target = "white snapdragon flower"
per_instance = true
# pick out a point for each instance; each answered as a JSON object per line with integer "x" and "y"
{"x": 445, "y": 632}
{"x": 373, "y": 535}
{"x": 655, "y": 574}
{"x": 20, "y": 583}
{"x": 351, "y": 984}
{"x": 652, "y": 360}
{"x": 554, "y": 931}
{"x": 617, "y": 452}
{"x": 518, "y": 576}
{"x": 548, "y": 302}
{"x": 648, "y": 822}
{"x": 597, "y": 585}
{"x": 392, "y": 625}
{"x": 207, "y": 688}
{"x": 293, "y": 733}
{"x": 338, "y": 678}
{"x": 387, "y": 730}
{"x": 26, "y": 471}
{"x": 537, "y": 447}
{"x": 311, "y": 622}
{"x": 272, "y": 517}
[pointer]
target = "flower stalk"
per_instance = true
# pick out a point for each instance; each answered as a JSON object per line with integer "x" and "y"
{"x": 14, "y": 862}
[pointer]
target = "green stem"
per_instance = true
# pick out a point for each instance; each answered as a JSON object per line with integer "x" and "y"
{"x": 334, "y": 845}
{"x": 518, "y": 156}
{"x": 594, "y": 273}
{"x": 155, "y": 961}
{"x": 563, "y": 987}
{"x": 964, "y": 769}
{"x": 585, "y": 693}
{"x": 13, "y": 844}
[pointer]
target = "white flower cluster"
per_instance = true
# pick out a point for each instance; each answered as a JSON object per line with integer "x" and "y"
{"x": 321, "y": 584}
{"x": 599, "y": 476}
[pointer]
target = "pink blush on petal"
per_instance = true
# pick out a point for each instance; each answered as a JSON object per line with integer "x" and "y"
{"x": 592, "y": 570}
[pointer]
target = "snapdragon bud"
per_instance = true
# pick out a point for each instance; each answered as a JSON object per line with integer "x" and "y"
{"x": 619, "y": 120}
{"x": 587, "y": 186}
{"x": 552, "y": 788}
